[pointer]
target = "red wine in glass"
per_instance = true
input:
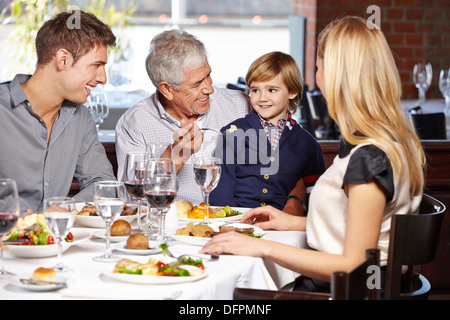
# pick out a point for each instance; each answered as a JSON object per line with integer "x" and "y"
{"x": 160, "y": 199}
{"x": 135, "y": 188}
{"x": 7, "y": 222}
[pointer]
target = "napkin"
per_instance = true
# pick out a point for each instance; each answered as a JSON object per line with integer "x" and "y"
{"x": 94, "y": 288}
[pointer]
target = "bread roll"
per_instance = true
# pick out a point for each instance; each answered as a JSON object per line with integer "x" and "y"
{"x": 137, "y": 241}
{"x": 183, "y": 208}
{"x": 120, "y": 228}
{"x": 44, "y": 274}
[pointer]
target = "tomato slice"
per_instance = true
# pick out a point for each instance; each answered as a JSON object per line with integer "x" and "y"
{"x": 50, "y": 240}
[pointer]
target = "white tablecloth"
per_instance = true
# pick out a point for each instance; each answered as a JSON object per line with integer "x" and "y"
{"x": 90, "y": 282}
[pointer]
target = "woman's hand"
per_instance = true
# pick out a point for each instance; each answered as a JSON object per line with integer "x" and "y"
{"x": 234, "y": 243}
{"x": 269, "y": 217}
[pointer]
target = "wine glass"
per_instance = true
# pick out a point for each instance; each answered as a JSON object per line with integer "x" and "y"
{"x": 207, "y": 174}
{"x": 444, "y": 86}
{"x": 97, "y": 104}
{"x": 9, "y": 213}
{"x": 60, "y": 215}
{"x": 109, "y": 199}
{"x": 160, "y": 150}
{"x": 134, "y": 174}
{"x": 160, "y": 188}
{"x": 422, "y": 76}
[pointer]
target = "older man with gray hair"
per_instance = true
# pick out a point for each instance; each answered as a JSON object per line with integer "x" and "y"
{"x": 185, "y": 102}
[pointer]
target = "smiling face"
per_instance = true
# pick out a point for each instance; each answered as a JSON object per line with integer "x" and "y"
{"x": 193, "y": 97}
{"x": 77, "y": 80}
{"x": 270, "y": 99}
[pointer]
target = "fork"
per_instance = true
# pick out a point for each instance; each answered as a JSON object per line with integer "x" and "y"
{"x": 213, "y": 257}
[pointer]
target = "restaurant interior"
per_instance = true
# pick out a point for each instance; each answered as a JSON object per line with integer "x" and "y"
{"x": 417, "y": 31}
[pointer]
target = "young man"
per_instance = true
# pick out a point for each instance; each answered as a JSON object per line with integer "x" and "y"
{"x": 48, "y": 137}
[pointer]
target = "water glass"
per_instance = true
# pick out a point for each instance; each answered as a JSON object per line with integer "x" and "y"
{"x": 207, "y": 174}
{"x": 60, "y": 215}
{"x": 109, "y": 199}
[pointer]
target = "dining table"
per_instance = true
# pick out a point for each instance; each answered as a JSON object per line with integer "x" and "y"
{"x": 92, "y": 280}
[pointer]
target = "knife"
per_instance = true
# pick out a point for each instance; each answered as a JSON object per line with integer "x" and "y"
{"x": 41, "y": 283}
{"x": 21, "y": 241}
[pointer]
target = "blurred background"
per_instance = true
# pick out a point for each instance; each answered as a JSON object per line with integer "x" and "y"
{"x": 236, "y": 32}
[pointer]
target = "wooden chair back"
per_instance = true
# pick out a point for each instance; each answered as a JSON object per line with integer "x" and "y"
{"x": 344, "y": 286}
{"x": 413, "y": 242}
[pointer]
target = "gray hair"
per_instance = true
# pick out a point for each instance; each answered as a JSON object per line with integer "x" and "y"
{"x": 172, "y": 53}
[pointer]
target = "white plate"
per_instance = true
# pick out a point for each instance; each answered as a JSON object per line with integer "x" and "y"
{"x": 97, "y": 221}
{"x": 15, "y": 280}
{"x": 227, "y": 219}
{"x": 141, "y": 279}
{"x": 122, "y": 247}
{"x": 102, "y": 235}
{"x": 201, "y": 241}
{"x": 49, "y": 250}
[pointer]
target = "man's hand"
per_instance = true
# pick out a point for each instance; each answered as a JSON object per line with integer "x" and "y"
{"x": 188, "y": 140}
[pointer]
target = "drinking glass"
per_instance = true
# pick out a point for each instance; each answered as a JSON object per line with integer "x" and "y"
{"x": 59, "y": 214}
{"x": 97, "y": 104}
{"x": 158, "y": 150}
{"x": 422, "y": 76}
{"x": 9, "y": 213}
{"x": 109, "y": 199}
{"x": 444, "y": 86}
{"x": 134, "y": 174}
{"x": 161, "y": 187}
{"x": 207, "y": 174}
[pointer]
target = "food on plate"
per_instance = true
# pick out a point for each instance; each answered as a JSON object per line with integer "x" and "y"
{"x": 120, "y": 228}
{"x": 183, "y": 208}
{"x": 186, "y": 209}
{"x": 199, "y": 230}
{"x": 250, "y": 231}
{"x": 44, "y": 274}
{"x": 154, "y": 267}
{"x": 33, "y": 228}
{"x": 137, "y": 241}
{"x": 205, "y": 231}
{"x": 91, "y": 211}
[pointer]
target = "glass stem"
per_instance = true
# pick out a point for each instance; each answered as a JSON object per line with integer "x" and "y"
{"x": 421, "y": 94}
{"x": 2, "y": 269}
{"x": 139, "y": 222}
{"x": 206, "y": 216}
{"x": 59, "y": 265}
{"x": 108, "y": 240}
{"x": 160, "y": 226}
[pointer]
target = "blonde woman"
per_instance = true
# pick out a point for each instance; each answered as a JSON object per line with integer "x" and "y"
{"x": 377, "y": 173}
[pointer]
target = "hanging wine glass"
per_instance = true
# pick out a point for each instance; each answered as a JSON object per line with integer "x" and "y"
{"x": 97, "y": 104}
{"x": 444, "y": 86}
{"x": 422, "y": 76}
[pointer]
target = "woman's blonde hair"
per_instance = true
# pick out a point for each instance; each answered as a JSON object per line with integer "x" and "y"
{"x": 271, "y": 64}
{"x": 363, "y": 91}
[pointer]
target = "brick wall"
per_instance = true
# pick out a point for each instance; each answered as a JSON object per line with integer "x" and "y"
{"x": 416, "y": 30}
